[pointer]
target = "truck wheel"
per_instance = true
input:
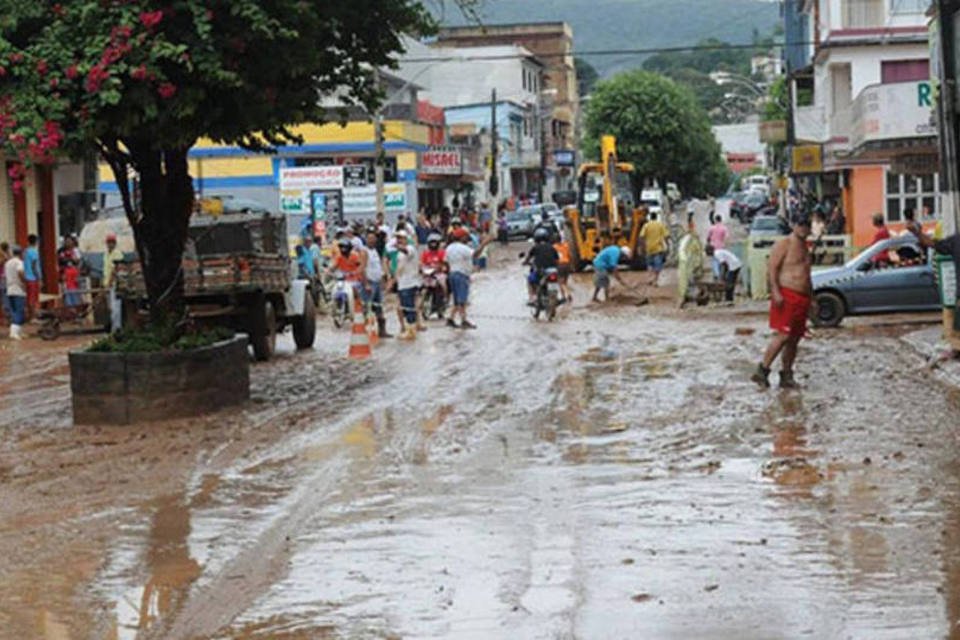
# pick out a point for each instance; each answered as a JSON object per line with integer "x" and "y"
{"x": 305, "y": 326}
{"x": 263, "y": 330}
{"x": 831, "y": 310}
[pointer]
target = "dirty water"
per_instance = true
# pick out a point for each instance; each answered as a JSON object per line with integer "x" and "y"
{"x": 611, "y": 475}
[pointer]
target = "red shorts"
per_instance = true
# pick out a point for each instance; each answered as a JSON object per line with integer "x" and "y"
{"x": 33, "y": 294}
{"x": 791, "y": 317}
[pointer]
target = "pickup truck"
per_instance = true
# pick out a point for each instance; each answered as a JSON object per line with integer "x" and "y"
{"x": 237, "y": 272}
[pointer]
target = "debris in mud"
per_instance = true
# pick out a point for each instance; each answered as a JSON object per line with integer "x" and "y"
{"x": 792, "y": 472}
{"x": 711, "y": 587}
{"x": 867, "y": 461}
{"x": 642, "y": 597}
{"x": 627, "y": 561}
{"x": 744, "y": 331}
{"x": 711, "y": 467}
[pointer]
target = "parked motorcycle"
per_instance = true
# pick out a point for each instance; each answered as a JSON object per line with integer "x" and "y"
{"x": 433, "y": 294}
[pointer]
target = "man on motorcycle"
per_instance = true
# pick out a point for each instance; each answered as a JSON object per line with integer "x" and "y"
{"x": 350, "y": 263}
{"x": 542, "y": 256}
{"x": 433, "y": 265}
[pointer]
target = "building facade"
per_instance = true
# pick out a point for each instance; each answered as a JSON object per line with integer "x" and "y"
{"x": 863, "y": 122}
{"x": 473, "y": 83}
{"x": 552, "y": 44}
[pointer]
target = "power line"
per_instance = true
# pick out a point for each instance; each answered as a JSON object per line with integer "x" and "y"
{"x": 598, "y": 52}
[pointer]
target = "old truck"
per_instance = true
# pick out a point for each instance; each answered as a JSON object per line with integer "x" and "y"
{"x": 606, "y": 213}
{"x": 237, "y": 272}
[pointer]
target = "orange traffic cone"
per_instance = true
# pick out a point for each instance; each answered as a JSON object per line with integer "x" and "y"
{"x": 373, "y": 331}
{"x": 359, "y": 340}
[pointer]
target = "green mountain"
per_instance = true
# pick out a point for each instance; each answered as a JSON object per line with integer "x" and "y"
{"x": 632, "y": 24}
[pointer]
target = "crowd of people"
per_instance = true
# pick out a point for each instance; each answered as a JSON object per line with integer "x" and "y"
{"x": 377, "y": 259}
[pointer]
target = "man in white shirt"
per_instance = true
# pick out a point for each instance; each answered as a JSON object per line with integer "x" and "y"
{"x": 111, "y": 257}
{"x": 729, "y": 265}
{"x": 372, "y": 291}
{"x": 16, "y": 292}
{"x": 460, "y": 257}
{"x": 405, "y": 268}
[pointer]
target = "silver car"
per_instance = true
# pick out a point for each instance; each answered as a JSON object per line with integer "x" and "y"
{"x": 874, "y": 283}
{"x": 520, "y": 223}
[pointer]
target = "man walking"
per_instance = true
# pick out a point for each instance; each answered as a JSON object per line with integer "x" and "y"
{"x": 33, "y": 274}
{"x": 460, "y": 259}
{"x": 405, "y": 267}
{"x": 655, "y": 235}
{"x": 14, "y": 273}
{"x": 791, "y": 301}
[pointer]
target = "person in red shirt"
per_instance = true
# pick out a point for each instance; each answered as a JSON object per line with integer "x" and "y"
{"x": 434, "y": 257}
{"x": 882, "y": 234}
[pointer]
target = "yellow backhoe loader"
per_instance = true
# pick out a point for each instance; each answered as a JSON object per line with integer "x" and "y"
{"x": 606, "y": 213}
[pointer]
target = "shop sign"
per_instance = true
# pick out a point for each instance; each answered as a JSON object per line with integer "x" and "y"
{"x": 807, "y": 159}
{"x": 897, "y": 111}
{"x": 918, "y": 164}
{"x": 565, "y": 157}
{"x": 310, "y": 178}
{"x": 773, "y": 131}
{"x": 441, "y": 161}
{"x": 293, "y": 202}
{"x": 362, "y": 200}
{"x": 355, "y": 175}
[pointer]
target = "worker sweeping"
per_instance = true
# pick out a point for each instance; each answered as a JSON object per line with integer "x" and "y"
{"x": 690, "y": 267}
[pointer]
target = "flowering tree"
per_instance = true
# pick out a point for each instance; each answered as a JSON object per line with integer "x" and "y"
{"x": 142, "y": 80}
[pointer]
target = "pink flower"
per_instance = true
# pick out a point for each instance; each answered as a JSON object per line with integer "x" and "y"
{"x": 167, "y": 90}
{"x": 42, "y": 67}
{"x": 140, "y": 73}
{"x": 72, "y": 72}
{"x": 96, "y": 78}
{"x": 16, "y": 58}
{"x": 54, "y": 83}
{"x": 58, "y": 10}
{"x": 150, "y": 19}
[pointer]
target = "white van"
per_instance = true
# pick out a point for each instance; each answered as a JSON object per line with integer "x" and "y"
{"x": 758, "y": 180}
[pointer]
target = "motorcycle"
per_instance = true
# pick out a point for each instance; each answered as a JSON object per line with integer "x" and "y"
{"x": 548, "y": 295}
{"x": 433, "y": 294}
{"x": 340, "y": 297}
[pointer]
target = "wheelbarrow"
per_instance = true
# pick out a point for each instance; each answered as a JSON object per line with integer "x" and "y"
{"x": 72, "y": 311}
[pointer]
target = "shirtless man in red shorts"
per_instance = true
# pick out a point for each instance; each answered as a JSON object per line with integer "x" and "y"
{"x": 791, "y": 300}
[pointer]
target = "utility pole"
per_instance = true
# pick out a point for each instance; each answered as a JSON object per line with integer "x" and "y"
{"x": 378, "y": 152}
{"x": 947, "y": 117}
{"x": 543, "y": 145}
{"x": 494, "y": 148}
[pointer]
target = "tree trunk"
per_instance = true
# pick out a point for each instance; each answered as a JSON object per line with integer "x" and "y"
{"x": 161, "y": 230}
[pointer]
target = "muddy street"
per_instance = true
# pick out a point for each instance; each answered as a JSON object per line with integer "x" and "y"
{"x": 610, "y": 475}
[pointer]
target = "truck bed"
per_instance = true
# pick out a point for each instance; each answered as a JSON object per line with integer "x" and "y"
{"x": 216, "y": 274}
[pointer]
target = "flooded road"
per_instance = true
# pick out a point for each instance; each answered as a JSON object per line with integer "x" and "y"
{"x": 612, "y": 475}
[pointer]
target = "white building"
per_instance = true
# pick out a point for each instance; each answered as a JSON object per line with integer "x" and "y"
{"x": 865, "y": 109}
{"x": 463, "y": 81}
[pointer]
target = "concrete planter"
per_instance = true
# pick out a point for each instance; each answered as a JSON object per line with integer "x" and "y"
{"x": 125, "y": 388}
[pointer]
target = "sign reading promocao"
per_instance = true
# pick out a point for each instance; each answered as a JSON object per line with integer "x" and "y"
{"x": 441, "y": 161}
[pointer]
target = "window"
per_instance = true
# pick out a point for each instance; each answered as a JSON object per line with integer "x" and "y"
{"x": 909, "y": 6}
{"x": 918, "y": 192}
{"x": 859, "y": 14}
{"x": 904, "y": 71}
{"x": 525, "y": 80}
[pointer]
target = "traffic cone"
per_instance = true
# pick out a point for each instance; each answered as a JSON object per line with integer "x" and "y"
{"x": 359, "y": 339}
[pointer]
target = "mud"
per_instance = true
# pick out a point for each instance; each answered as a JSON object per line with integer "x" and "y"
{"x": 612, "y": 474}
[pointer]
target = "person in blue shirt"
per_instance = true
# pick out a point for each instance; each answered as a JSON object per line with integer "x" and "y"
{"x": 605, "y": 266}
{"x": 32, "y": 274}
{"x": 305, "y": 263}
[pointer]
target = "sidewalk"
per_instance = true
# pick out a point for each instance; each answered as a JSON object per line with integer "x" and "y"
{"x": 928, "y": 343}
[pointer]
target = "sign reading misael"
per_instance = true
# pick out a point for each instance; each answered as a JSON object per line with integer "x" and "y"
{"x": 441, "y": 161}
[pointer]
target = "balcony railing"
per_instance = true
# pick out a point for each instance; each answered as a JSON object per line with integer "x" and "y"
{"x": 889, "y": 112}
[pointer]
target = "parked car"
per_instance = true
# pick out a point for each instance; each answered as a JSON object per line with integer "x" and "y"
{"x": 520, "y": 223}
{"x": 754, "y": 204}
{"x": 769, "y": 226}
{"x": 865, "y": 285}
{"x": 737, "y": 206}
{"x": 653, "y": 200}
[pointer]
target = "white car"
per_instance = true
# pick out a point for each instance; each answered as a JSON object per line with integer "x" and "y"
{"x": 653, "y": 200}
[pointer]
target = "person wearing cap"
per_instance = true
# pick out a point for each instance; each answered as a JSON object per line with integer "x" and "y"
{"x": 460, "y": 258}
{"x": 791, "y": 302}
{"x": 14, "y": 274}
{"x": 404, "y": 267}
{"x": 111, "y": 257}
{"x": 605, "y": 267}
